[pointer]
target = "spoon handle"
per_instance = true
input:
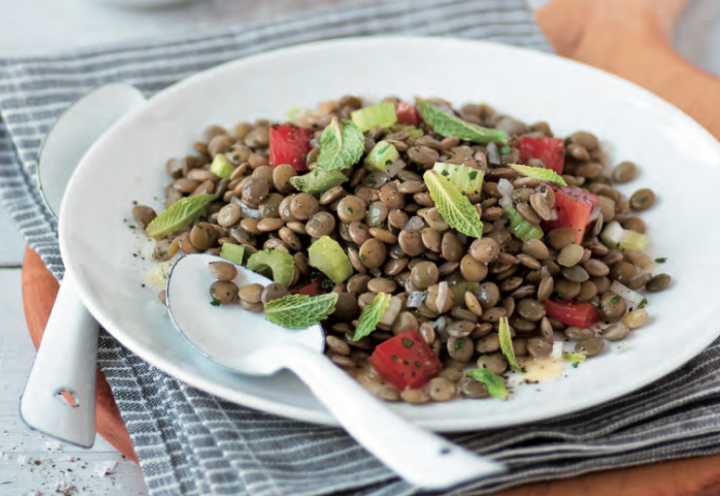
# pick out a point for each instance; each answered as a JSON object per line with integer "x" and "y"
{"x": 59, "y": 396}
{"x": 419, "y": 456}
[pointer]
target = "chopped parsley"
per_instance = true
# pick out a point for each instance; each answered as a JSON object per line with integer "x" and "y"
{"x": 407, "y": 342}
{"x": 459, "y": 344}
{"x": 215, "y": 302}
{"x": 616, "y": 299}
{"x": 642, "y": 304}
{"x": 661, "y": 260}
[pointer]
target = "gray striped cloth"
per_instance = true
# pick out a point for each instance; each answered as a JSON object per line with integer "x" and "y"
{"x": 192, "y": 443}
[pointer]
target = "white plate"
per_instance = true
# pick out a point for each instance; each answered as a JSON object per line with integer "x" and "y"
{"x": 677, "y": 157}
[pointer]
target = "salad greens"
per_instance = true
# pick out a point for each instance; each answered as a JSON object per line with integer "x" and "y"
{"x": 318, "y": 181}
{"x": 371, "y": 315}
{"x": 300, "y": 311}
{"x": 341, "y": 146}
{"x": 454, "y": 208}
{"x": 180, "y": 214}
{"x": 448, "y": 125}
{"x": 506, "y": 344}
{"x": 537, "y": 172}
{"x": 495, "y": 383}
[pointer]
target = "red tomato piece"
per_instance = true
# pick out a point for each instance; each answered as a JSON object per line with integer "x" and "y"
{"x": 313, "y": 288}
{"x": 407, "y": 114}
{"x": 573, "y": 208}
{"x": 406, "y": 360}
{"x": 578, "y": 314}
{"x": 290, "y": 144}
{"x": 550, "y": 150}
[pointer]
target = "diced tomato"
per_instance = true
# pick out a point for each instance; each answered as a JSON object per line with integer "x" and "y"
{"x": 550, "y": 150}
{"x": 290, "y": 145}
{"x": 573, "y": 208}
{"x": 313, "y": 288}
{"x": 407, "y": 114}
{"x": 406, "y": 360}
{"x": 578, "y": 314}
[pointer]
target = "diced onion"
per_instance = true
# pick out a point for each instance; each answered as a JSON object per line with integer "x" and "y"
{"x": 632, "y": 298}
{"x": 493, "y": 153}
{"x": 395, "y": 167}
{"x": 505, "y": 188}
{"x": 439, "y": 324}
{"x": 415, "y": 298}
{"x": 415, "y": 222}
{"x": 596, "y": 212}
{"x": 557, "y": 351}
{"x": 442, "y": 295}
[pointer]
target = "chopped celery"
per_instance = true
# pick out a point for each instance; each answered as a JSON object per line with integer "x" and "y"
{"x": 633, "y": 241}
{"x": 381, "y": 156}
{"x": 459, "y": 285}
{"x": 542, "y": 174}
{"x": 615, "y": 237}
{"x": 234, "y": 253}
{"x": 520, "y": 227}
{"x": 378, "y": 115}
{"x": 318, "y": 181}
{"x": 222, "y": 167}
{"x": 414, "y": 132}
{"x": 468, "y": 180}
{"x": 328, "y": 257}
{"x": 281, "y": 263}
{"x": 295, "y": 113}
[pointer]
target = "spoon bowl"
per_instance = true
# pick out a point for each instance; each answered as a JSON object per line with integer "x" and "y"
{"x": 250, "y": 344}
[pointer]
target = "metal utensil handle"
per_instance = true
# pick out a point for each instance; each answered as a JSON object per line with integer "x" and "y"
{"x": 417, "y": 455}
{"x": 54, "y": 384}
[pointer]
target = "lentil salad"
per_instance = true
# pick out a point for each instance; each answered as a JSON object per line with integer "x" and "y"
{"x": 414, "y": 235}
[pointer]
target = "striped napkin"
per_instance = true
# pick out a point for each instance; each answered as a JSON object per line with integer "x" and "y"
{"x": 191, "y": 443}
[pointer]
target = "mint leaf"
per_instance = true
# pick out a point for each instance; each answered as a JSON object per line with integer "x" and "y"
{"x": 318, "y": 181}
{"x": 281, "y": 263}
{"x": 455, "y": 208}
{"x": 506, "y": 344}
{"x": 300, "y": 311}
{"x": 449, "y": 126}
{"x": 468, "y": 180}
{"x": 180, "y": 214}
{"x": 341, "y": 145}
{"x": 575, "y": 358}
{"x": 495, "y": 383}
{"x": 542, "y": 174}
{"x": 371, "y": 315}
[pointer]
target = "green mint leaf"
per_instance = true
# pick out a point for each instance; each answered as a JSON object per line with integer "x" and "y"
{"x": 318, "y": 181}
{"x": 180, "y": 214}
{"x": 341, "y": 146}
{"x": 575, "y": 358}
{"x": 537, "y": 172}
{"x": 454, "y": 208}
{"x": 281, "y": 263}
{"x": 506, "y": 344}
{"x": 300, "y": 311}
{"x": 495, "y": 383}
{"x": 449, "y": 126}
{"x": 371, "y": 315}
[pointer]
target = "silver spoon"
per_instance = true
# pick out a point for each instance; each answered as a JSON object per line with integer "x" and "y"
{"x": 67, "y": 357}
{"x": 246, "y": 342}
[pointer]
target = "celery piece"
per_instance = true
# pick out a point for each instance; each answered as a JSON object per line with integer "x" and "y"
{"x": 382, "y": 115}
{"x": 615, "y": 237}
{"x": 281, "y": 263}
{"x": 414, "y": 132}
{"x": 633, "y": 241}
{"x": 468, "y": 180}
{"x": 295, "y": 113}
{"x": 328, "y": 257}
{"x": 234, "y": 253}
{"x": 459, "y": 285}
{"x": 222, "y": 167}
{"x": 381, "y": 156}
{"x": 520, "y": 227}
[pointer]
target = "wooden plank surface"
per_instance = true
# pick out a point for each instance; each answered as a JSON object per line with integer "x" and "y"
{"x": 630, "y": 38}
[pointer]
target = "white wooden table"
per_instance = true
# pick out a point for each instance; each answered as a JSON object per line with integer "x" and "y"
{"x": 31, "y": 464}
